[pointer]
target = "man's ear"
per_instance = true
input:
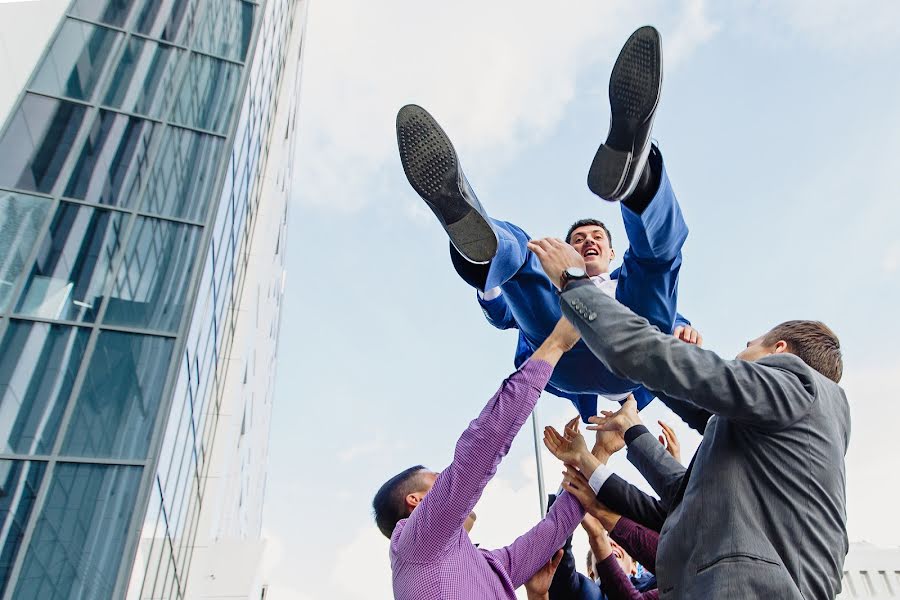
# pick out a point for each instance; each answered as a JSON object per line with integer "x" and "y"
{"x": 780, "y": 347}
{"x": 612, "y": 253}
{"x": 412, "y": 500}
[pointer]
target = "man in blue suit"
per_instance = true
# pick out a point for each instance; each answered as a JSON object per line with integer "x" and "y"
{"x": 493, "y": 255}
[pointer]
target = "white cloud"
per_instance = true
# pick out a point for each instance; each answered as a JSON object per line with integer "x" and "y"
{"x": 497, "y": 75}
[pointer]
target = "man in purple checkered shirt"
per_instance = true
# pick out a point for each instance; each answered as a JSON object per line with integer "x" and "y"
{"x": 427, "y": 515}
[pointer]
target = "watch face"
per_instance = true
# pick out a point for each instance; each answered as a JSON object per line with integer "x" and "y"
{"x": 575, "y": 273}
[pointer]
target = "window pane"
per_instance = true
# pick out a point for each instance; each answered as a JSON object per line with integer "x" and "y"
{"x": 113, "y": 161}
{"x": 226, "y": 29}
{"x": 37, "y": 141}
{"x": 181, "y": 184}
{"x": 112, "y": 12}
{"x": 75, "y": 60}
{"x": 151, "y": 286}
{"x": 38, "y": 365}
{"x": 167, "y": 20}
{"x": 143, "y": 79}
{"x": 19, "y": 482}
{"x": 79, "y": 538}
{"x": 21, "y": 222}
{"x": 117, "y": 405}
{"x": 206, "y": 99}
{"x": 72, "y": 267}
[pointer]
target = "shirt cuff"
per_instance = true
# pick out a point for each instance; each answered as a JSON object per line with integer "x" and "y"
{"x": 599, "y": 477}
{"x": 490, "y": 294}
{"x": 633, "y": 432}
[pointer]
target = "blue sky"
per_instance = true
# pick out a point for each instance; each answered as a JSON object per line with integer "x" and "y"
{"x": 779, "y": 124}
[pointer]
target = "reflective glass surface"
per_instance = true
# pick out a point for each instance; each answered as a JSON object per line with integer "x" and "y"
{"x": 152, "y": 284}
{"x": 207, "y": 96}
{"x": 38, "y": 365}
{"x": 119, "y": 399}
{"x": 75, "y": 61}
{"x": 181, "y": 184}
{"x": 167, "y": 20}
{"x": 111, "y": 12}
{"x": 79, "y": 537}
{"x": 73, "y": 265}
{"x": 19, "y": 482}
{"x": 112, "y": 163}
{"x": 21, "y": 224}
{"x": 142, "y": 82}
{"x": 226, "y": 29}
{"x": 38, "y": 139}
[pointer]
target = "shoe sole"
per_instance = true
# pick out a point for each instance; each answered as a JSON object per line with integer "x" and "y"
{"x": 432, "y": 168}
{"x": 633, "y": 96}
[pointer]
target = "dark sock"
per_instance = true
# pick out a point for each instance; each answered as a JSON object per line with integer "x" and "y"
{"x": 474, "y": 275}
{"x": 647, "y": 186}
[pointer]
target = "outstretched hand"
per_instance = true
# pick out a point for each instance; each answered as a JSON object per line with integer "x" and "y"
{"x": 688, "y": 334}
{"x": 556, "y": 256}
{"x": 569, "y": 448}
{"x": 539, "y": 585}
{"x": 620, "y": 421}
{"x": 670, "y": 441}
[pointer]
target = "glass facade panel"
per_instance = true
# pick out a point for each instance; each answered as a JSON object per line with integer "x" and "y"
{"x": 143, "y": 80}
{"x": 36, "y": 142}
{"x": 119, "y": 399}
{"x": 181, "y": 184}
{"x": 113, "y": 161}
{"x": 167, "y": 20}
{"x": 74, "y": 264}
{"x": 22, "y": 219}
{"x": 111, "y": 12}
{"x": 79, "y": 537}
{"x": 226, "y": 29}
{"x": 76, "y": 60}
{"x": 207, "y": 96}
{"x": 155, "y": 275}
{"x": 19, "y": 482}
{"x": 38, "y": 365}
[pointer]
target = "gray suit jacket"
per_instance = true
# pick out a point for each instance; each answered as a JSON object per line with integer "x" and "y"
{"x": 763, "y": 510}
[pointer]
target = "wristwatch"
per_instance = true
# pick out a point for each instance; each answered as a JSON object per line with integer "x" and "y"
{"x": 571, "y": 274}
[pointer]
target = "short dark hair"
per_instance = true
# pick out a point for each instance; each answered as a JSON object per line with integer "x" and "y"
{"x": 582, "y": 223}
{"x": 814, "y": 342}
{"x": 389, "y": 504}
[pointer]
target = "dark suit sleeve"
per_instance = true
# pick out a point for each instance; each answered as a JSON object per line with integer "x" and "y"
{"x": 625, "y": 499}
{"x": 771, "y": 393}
{"x": 568, "y": 583}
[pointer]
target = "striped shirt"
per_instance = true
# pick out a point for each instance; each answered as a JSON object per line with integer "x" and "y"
{"x": 431, "y": 554}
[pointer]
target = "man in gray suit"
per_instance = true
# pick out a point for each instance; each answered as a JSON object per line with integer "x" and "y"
{"x": 760, "y": 513}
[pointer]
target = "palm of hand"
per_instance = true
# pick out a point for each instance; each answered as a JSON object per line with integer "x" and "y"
{"x": 608, "y": 442}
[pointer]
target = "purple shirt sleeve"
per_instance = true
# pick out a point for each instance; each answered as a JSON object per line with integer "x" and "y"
{"x": 438, "y": 519}
{"x": 533, "y": 549}
{"x": 638, "y": 541}
{"x": 616, "y": 584}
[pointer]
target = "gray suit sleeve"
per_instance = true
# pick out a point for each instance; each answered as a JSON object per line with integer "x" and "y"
{"x": 771, "y": 393}
{"x": 662, "y": 472}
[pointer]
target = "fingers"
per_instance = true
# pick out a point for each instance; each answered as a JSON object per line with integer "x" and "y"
{"x": 557, "y": 558}
{"x": 662, "y": 440}
{"x": 669, "y": 433}
{"x": 678, "y": 332}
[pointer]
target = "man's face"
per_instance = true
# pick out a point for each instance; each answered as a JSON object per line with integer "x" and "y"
{"x": 623, "y": 558}
{"x": 592, "y": 244}
{"x": 757, "y": 349}
{"x": 428, "y": 478}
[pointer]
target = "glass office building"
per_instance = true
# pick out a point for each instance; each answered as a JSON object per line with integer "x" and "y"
{"x": 145, "y": 171}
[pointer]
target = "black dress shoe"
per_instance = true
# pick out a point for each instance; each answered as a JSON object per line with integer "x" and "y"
{"x": 634, "y": 89}
{"x": 432, "y": 167}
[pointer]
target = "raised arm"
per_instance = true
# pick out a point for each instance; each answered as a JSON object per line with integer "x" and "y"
{"x": 627, "y": 500}
{"x": 534, "y": 548}
{"x": 771, "y": 393}
{"x": 439, "y": 517}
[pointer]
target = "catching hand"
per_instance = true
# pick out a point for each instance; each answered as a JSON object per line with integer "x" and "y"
{"x": 539, "y": 584}
{"x": 620, "y": 421}
{"x": 556, "y": 256}
{"x": 688, "y": 334}
{"x": 569, "y": 448}
{"x": 670, "y": 441}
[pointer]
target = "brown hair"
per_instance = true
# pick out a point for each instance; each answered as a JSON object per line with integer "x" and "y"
{"x": 813, "y": 342}
{"x": 582, "y": 223}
